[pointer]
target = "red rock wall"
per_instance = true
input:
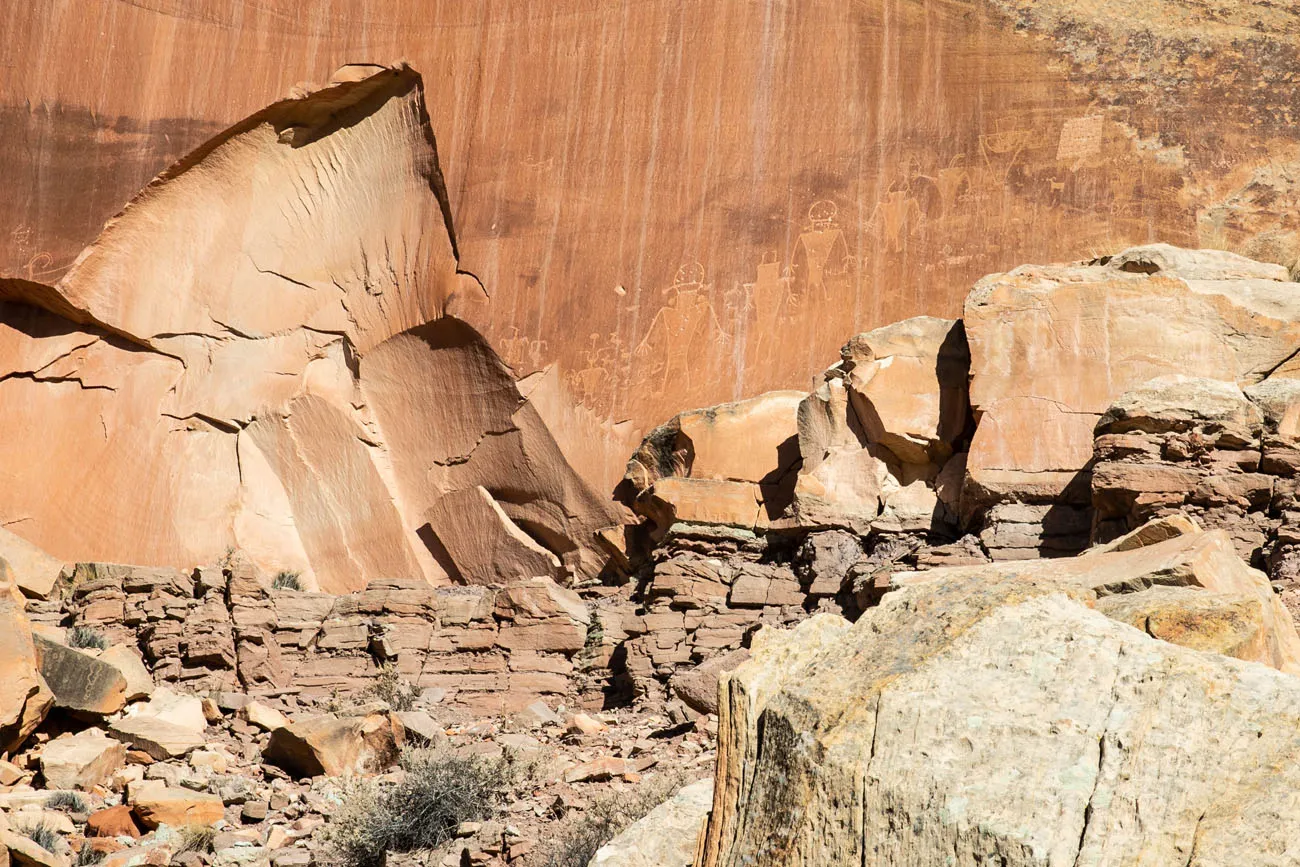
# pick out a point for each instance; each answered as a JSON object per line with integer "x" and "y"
{"x": 682, "y": 204}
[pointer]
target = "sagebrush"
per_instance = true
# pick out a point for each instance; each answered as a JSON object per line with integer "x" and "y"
{"x": 70, "y": 801}
{"x": 286, "y": 581}
{"x": 197, "y": 838}
{"x": 439, "y": 790}
{"x": 579, "y": 839}
{"x": 393, "y": 689}
{"x": 83, "y": 637}
{"x": 42, "y": 835}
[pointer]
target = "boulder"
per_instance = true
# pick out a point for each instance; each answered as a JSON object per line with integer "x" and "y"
{"x": 159, "y": 739}
{"x": 81, "y": 761}
{"x": 907, "y": 385}
{"x": 139, "y": 682}
{"x": 268, "y": 719}
{"x": 1228, "y": 623}
{"x": 25, "y": 698}
{"x": 1052, "y": 347}
{"x": 79, "y": 681}
{"x": 699, "y": 686}
{"x": 335, "y": 746}
{"x": 169, "y": 706}
{"x": 1178, "y": 403}
{"x": 667, "y": 836}
{"x": 1207, "y": 561}
{"x": 732, "y": 464}
{"x": 112, "y": 822}
{"x": 23, "y": 852}
{"x": 155, "y": 803}
{"x": 935, "y": 729}
{"x": 35, "y": 572}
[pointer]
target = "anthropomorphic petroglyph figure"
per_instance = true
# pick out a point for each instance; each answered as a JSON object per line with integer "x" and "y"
{"x": 684, "y": 330}
{"x": 522, "y": 354}
{"x": 818, "y": 254}
{"x": 897, "y": 217}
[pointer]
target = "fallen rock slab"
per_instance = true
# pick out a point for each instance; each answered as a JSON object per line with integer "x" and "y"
{"x": 79, "y": 681}
{"x": 156, "y": 803}
{"x": 139, "y": 682}
{"x": 336, "y": 745}
{"x": 158, "y": 739}
{"x": 25, "y": 853}
{"x": 25, "y": 698}
{"x": 667, "y": 836}
{"x": 81, "y": 761}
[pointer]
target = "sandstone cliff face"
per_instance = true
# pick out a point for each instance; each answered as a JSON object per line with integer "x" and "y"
{"x": 666, "y": 219}
{"x": 260, "y": 353}
{"x": 978, "y": 718}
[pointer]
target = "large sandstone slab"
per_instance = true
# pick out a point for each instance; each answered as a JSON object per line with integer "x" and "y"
{"x": 937, "y": 728}
{"x": 25, "y": 698}
{"x": 1052, "y": 347}
{"x": 282, "y": 371}
{"x": 1205, "y": 560}
{"x": 907, "y": 384}
{"x": 665, "y": 837}
{"x": 81, "y": 761}
{"x": 79, "y": 681}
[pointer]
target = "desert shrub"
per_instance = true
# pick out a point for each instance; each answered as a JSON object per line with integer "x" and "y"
{"x": 392, "y": 688}
{"x": 577, "y": 842}
{"x": 42, "y": 835}
{"x": 439, "y": 790}
{"x": 84, "y": 637}
{"x": 286, "y": 581}
{"x": 88, "y": 856}
{"x": 197, "y": 838}
{"x": 70, "y": 801}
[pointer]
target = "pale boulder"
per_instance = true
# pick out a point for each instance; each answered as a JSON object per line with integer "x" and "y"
{"x": 169, "y": 706}
{"x": 667, "y": 836}
{"x": 1052, "y": 347}
{"x": 732, "y": 464}
{"x": 1177, "y": 403}
{"x": 335, "y": 746}
{"x": 959, "y": 707}
{"x": 155, "y": 803}
{"x": 159, "y": 739}
{"x": 139, "y": 682}
{"x": 81, "y": 761}
{"x": 35, "y": 572}
{"x": 1206, "y": 561}
{"x": 268, "y": 719}
{"x": 907, "y": 385}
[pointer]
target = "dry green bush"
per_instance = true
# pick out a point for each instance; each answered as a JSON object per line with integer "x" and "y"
{"x": 438, "y": 790}
{"x": 84, "y": 638}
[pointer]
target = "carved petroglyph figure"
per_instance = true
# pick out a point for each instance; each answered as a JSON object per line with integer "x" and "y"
{"x": 818, "y": 252}
{"x": 684, "y": 326}
{"x": 523, "y": 354}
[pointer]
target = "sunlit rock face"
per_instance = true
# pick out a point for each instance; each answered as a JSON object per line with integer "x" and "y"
{"x": 260, "y": 353}
{"x": 677, "y": 206}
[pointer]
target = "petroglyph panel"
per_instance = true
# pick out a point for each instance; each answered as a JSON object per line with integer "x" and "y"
{"x": 674, "y": 205}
